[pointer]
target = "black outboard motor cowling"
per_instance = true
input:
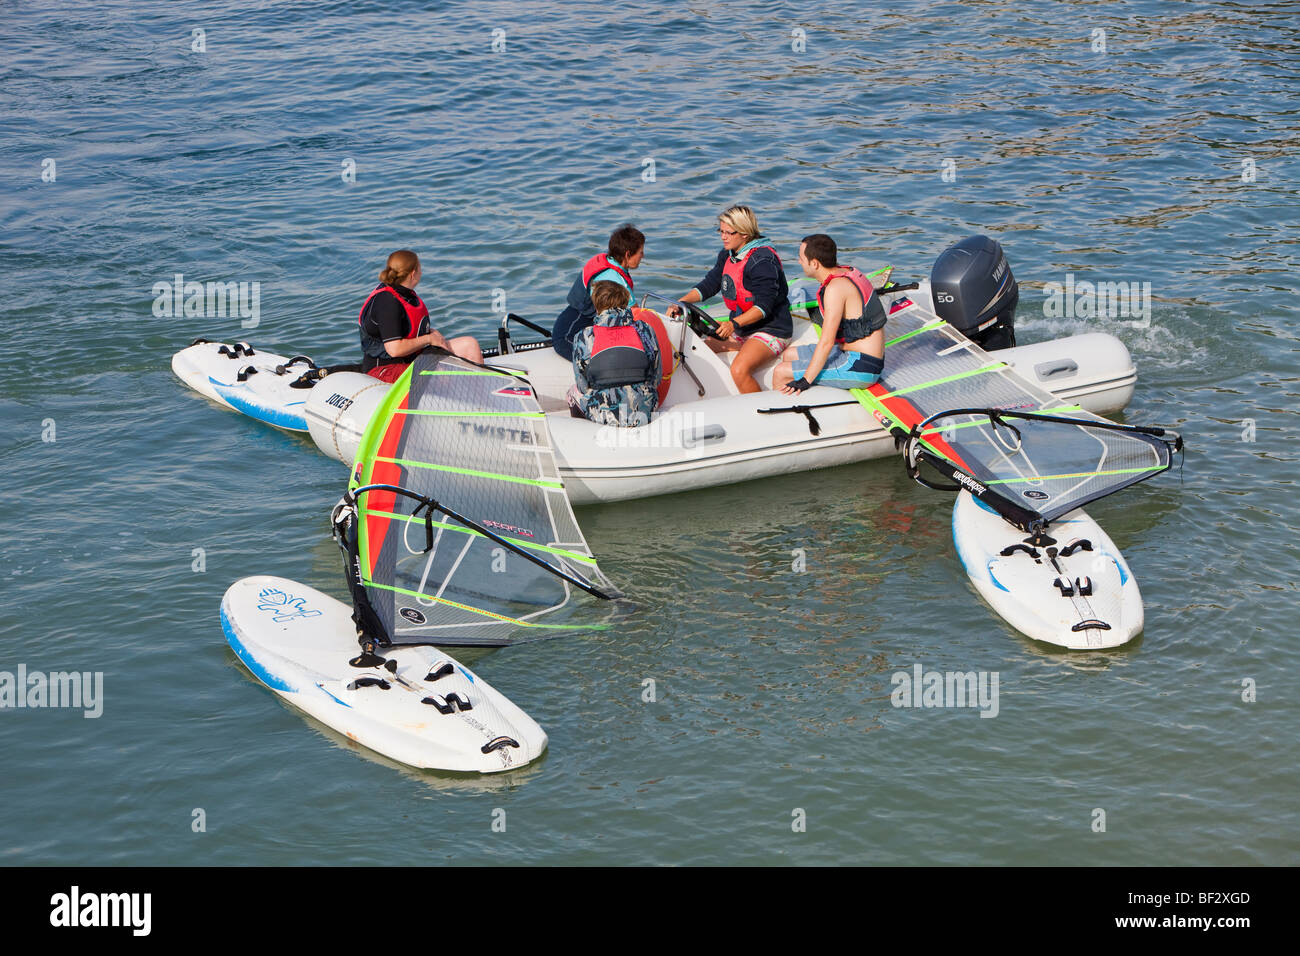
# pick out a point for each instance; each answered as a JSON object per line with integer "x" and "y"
{"x": 975, "y": 292}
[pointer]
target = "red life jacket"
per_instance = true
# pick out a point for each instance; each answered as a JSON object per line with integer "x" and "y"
{"x": 598, "y": 264}
{"x": 618, "y": 357}
{"x": 391, "y": 368}
{"x": 734, "y": 269}
{"x": 873, "y": 313}
{"x": 416, "y": 314}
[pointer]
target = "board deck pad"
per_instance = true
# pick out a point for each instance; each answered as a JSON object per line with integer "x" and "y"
{"x": 1022, "y": 587}
{"x": 266, "y": 393}
{"x": 424, "y": 708}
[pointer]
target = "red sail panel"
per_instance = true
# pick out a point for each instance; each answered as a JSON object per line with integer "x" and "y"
{"x": 909, "y": 416}
{"x": 384, "y": 473}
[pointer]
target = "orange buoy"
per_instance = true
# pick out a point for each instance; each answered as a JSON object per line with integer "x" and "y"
{"x": 653, "y": 319}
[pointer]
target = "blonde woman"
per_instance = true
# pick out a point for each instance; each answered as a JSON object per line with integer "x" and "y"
{"x": 395, "y": 322}
{"x": 748, "y": 273}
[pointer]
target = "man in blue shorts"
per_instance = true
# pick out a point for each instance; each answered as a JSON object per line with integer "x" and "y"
{"x": 851, "y": 350}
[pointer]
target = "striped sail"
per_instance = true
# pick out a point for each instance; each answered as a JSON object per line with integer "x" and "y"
{"x": 475, "y": 441}
{"x": 1031, "y": 456}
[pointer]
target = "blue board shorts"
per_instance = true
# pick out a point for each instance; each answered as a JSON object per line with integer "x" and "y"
{"x": 843, "y": 369}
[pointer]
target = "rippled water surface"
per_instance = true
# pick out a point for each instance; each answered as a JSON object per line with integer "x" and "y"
{"x": 1169, "y": 158}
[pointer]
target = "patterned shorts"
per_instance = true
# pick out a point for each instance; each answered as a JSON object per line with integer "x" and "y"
{"x": 627, "y": 406}
{"x": 773, "y": 344}
{"x": 843, "y": 369}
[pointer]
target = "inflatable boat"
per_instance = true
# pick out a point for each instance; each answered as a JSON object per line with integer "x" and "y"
{"x": 705, "y": 432}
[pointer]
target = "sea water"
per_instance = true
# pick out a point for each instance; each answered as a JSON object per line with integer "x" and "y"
{"x": 746, "y": 712}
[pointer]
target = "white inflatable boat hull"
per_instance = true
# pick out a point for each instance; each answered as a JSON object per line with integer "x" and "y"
{"x": 721, "y": 439}
{"x": 693, "y": 442}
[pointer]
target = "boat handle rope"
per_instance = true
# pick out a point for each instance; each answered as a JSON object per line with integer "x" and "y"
{"x": 814, "y": 426}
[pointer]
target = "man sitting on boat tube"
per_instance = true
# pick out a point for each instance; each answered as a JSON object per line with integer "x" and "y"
{"x": 616, "y": 363}
{"x": 395, "y": 323}
{"x": 625, "y": 251}
{"x": 851, "y": 350}
{"x": 748, "y": 273}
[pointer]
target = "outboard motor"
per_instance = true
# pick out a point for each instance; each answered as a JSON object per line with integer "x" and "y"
{"x": 975, "y": 292}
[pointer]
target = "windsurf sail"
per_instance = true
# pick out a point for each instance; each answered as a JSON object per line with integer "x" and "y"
{"x": 456, "y": 527}
{"x": 1029, "y": 455}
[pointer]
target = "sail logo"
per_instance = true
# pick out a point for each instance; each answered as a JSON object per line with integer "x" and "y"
{"x": 518, "y": 435}
{"x": 968, "y": 482}
{"x": 922, "y": 688}
{"x": 513, "y": 390}
{"x": 512, "y": 529}
{"x": 80, "y": 689}
{"x": 1036, "y": 495}
{"x": 412, "y": 615}
{"x": 285, "y": 607}
{"x": 1101, "y": 300}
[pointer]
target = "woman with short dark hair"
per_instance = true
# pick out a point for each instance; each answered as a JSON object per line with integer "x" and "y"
{"x": 624, "y": 253}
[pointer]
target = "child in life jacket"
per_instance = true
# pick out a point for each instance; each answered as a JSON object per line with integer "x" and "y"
{"x": 616, "y": 363}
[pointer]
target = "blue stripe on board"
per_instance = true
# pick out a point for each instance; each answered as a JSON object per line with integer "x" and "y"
{"x": 242, "y": 401}
{"x": 249, "y": 661}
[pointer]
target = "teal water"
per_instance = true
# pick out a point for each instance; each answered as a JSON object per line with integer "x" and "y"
{"x": 505, "y": 170}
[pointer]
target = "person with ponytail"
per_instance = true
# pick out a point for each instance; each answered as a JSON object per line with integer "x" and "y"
{"x": 395, "y": 322}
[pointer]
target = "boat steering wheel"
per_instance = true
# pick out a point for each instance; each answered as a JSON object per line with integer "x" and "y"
{"x": 701, "y": 323}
